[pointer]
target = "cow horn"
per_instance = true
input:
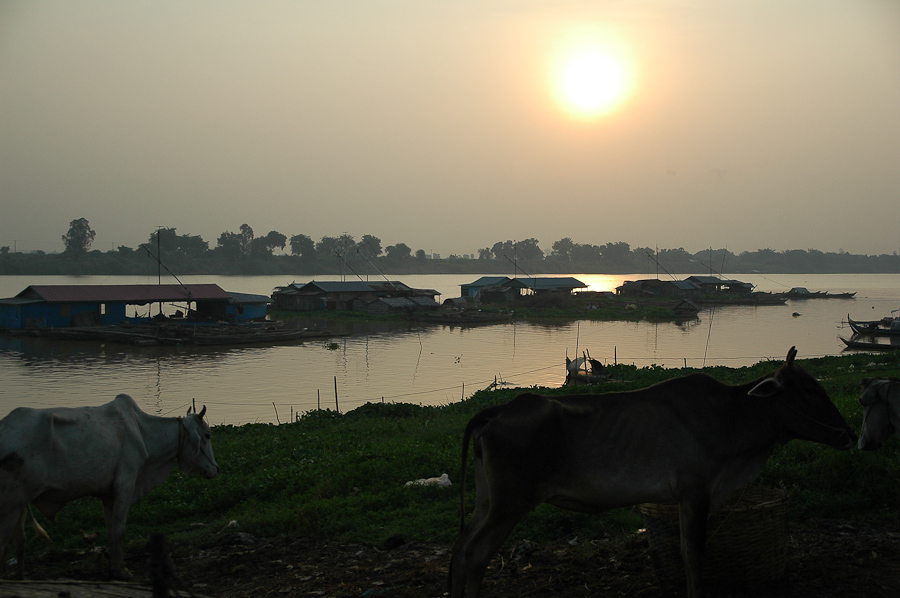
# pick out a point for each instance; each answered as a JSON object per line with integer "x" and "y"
{"x": 202, "y": 412}
{"x": 789, "y": 360}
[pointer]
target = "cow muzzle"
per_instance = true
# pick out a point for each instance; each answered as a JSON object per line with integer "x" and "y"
{"x": 846, "y": 441}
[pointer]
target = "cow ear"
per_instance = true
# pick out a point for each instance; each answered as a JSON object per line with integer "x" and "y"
{"x": 766, "y": 388}
{"x": 789, "y": 360}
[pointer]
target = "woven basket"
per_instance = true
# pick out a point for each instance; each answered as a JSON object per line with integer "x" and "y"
{"x": 746, "y": 540}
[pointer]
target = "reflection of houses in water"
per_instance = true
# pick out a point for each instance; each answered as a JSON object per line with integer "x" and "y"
{"x": 63, "y": 306}
{"x": 369, "y": 297}
{"x": 502, "y": 288}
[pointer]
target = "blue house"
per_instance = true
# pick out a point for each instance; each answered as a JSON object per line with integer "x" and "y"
{"x": 63, "y": 306}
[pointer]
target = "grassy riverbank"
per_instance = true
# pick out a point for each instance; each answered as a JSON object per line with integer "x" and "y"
{"x": 342, "y": 476}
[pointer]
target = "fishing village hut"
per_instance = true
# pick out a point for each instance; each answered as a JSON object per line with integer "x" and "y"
{"x": 502, "y": 288}
{"x": 540, "y": 285}
{"x": 349, "y": 296}
{"x": 63, "y": 306}
{"x": 247, "y": 306}
{"x": 394, "y": 305}
{"x": 710, "y": 285}
{"x": 654, "y": 287}
{"x": 474, "y": 289}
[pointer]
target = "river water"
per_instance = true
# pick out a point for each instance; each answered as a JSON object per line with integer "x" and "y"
{"x": 422, "y": 364}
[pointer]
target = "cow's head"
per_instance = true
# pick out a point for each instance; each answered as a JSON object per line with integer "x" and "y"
{"x": 809, "y": 414}
{"x": 880, "y": 399}
{"x": 196, "y": 452}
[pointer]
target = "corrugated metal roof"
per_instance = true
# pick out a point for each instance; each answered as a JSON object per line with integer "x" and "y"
{"x": 249, "y": 298}
{"x": 330, "y": 286}
{"x": 487, "y": 281}
{"x": 124, "y": 293}
{"x": 552, "y": 283}
{"x": 389, "y": 285}
{"x": 395, "y": 302}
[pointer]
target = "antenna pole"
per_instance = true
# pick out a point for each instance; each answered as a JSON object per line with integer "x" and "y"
{"x": 158, "y": 259}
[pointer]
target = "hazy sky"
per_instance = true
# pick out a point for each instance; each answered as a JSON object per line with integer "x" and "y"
{"x": 743, "y": 124}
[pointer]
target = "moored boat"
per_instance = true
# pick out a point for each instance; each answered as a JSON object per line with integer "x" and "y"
{"x": 888, "y": 326}
{"x": 804, "y": 293}
{"x": 857, "y": 342}
{"x": 583, "y": 371}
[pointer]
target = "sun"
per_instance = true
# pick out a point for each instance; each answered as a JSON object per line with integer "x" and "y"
{"x": 589, "y": 84}
{"x": 592, "y": 82}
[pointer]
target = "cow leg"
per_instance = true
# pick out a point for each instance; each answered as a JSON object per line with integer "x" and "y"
{"x": 115, "y": 511}
{"x": 19, "y": 540}
{"x": 459, "y": 562}
{"x": 490, "y": 524}
{"x": 477, "y": 546}
{"x": 693, "y": 515}
{"x": 12, "y": 527}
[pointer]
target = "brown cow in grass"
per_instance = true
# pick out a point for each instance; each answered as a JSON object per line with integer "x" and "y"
{"x": 690, "y": 440}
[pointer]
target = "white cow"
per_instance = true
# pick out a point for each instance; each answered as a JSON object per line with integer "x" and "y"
{"x": 880, "y": 399}
{"x": 116, "y": 452}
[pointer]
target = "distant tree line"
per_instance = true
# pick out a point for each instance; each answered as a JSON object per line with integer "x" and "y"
{"x": 243, "y": 252}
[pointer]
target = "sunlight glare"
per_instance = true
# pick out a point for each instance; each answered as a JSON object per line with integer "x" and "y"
{"x": 590, "y": 80}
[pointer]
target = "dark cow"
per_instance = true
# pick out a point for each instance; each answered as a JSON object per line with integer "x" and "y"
{"x": 880, "y": 399}
{"x": 690, "y": 440}
{"x": 116, "y": 452}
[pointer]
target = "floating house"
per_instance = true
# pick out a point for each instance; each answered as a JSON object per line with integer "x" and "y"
{"x": 711, "y": 285}
{"x": 695, "y": 288}
{"x": 352, "y": 296}
{"x": 654, "y": 287}
{"x": 63, "y": 306}
{"x": 503, "y": 288}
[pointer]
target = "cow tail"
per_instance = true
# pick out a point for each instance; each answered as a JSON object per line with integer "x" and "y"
{"x": 40, "y": 531}
{"x": 474, "y": 426}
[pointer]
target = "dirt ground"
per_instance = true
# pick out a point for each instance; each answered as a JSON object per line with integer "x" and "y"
{"x": 826, "y": 558}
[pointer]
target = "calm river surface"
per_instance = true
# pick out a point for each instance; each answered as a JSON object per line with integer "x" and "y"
{"x": 423, "y": 364}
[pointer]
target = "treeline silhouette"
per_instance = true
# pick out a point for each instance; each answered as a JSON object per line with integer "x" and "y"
{"x": 243, "y": 253}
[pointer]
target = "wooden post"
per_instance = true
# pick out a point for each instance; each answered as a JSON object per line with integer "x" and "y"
{"x": 318, "y": 399}
{"x": 276, "y": 413}
{"x": 336, "y": 406}
{"x": 615, "y": 362}
{"x": 463, "y": 397}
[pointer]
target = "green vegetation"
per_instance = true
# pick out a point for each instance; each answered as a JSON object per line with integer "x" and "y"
{"x": 342, "y": 476}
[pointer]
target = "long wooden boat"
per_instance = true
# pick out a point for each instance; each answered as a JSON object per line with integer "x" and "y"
{"x": 868, "y": 345}
{"x": 883, "y": 327}
{"x": 803, "y": 293}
